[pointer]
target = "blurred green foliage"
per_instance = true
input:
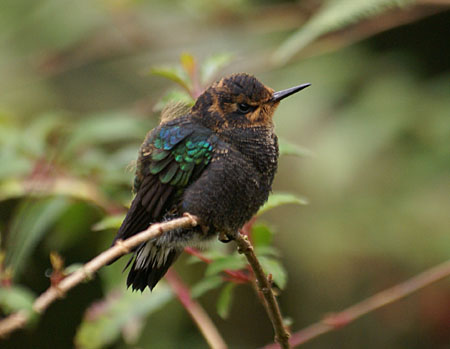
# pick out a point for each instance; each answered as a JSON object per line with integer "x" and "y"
{"x": 370, "y": 141}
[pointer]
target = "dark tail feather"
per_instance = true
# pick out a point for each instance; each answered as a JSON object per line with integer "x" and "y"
{"x": 135, "y": 221}
{"x": 149, "y": 272}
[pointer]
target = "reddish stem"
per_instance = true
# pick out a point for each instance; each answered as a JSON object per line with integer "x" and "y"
{"x": 235, "y": 275}
{"x": 338, "y": 320}
{"x": 196, "y": 253}
{"x": 197, "y": 313}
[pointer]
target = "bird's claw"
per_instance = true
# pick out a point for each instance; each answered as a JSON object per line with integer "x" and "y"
{"x": 204, "y": 228}
{"x": 191, "y": 217}
{"x": 226, "y": 237}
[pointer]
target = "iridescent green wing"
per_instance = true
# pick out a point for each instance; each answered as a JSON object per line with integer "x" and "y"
{"x": 182, "y": 164}
{"x": 171, "y": 158}
{"x": 157, "y": 149}
{"x": 177, "y": 157}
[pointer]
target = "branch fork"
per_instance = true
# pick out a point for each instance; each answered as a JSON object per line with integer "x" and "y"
{"x": 19, "y": 320}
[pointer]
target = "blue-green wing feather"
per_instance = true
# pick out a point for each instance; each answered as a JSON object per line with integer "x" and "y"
{"x": 174, "y": 152}
{"x": 171, "y": 157}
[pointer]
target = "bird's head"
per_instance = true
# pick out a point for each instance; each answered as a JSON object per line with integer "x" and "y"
{"x": 239, "y": 101}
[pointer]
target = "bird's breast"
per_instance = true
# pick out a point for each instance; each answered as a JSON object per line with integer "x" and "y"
{"x": 235, "y": 184}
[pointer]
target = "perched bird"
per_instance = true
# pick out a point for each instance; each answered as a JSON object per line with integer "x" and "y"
{"x": 217, "y": 161}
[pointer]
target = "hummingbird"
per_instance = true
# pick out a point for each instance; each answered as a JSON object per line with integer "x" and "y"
{"x": 216, "y": 161}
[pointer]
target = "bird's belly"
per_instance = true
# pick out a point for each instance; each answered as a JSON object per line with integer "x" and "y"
{"x": 227, "y": 194}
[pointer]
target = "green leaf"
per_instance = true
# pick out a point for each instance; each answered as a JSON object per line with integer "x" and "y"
{"x": 175, "y": 74}
{"x": 104, "y": 128}
{"x": 104, "y": 321}
{"x": 267, "y": 251}
{"x": 287, "y": 148}
{"x": 225, "y": 299}
{"x": 232, "y": 262}
{"x": 109, "y": 222}
{"x": 261, "y": 235}
{"x": 30, "y": 224}
{"x": 274, "y": 267}
{"x": 62, "y": 186}
{"x": 16, "y": 298}
{"x": 212, "y": 65}
{"x": 214, "y": 254}
{"x": 210, "y": 254}
{"x": 11, "y": 188}
{"x": 19, "y": 150}
{"x": 73, "y": 227}
{"x": 278, "y": 198}
{"x": 18, "y": 164}
{"x": 36, "y": 140}
{"x": 333, "y": 15}
{"x": 206, "y": 284}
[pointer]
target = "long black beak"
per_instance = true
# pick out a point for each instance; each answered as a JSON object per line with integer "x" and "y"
{"x": 279, "y": 95}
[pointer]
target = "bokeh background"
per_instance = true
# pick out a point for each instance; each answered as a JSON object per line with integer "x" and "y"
{"x": 76, "y": 100}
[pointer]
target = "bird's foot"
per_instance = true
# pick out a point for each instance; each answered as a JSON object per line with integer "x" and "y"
{"x": 226, "y": 237}
{"x": 203, "y": 227}
{"x": 194, "y": 219}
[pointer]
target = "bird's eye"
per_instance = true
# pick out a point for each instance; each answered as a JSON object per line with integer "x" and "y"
{"x": 243, "y": 108}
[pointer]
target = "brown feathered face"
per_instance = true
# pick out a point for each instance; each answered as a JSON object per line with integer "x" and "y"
{"x": 239, "y": 100}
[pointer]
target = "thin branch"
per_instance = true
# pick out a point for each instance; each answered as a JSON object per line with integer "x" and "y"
{"x": 264, "y": 285}
{"x": 195, "y": 310}
{"x": 388, "y": 296}
{"x": 20, "y": 319}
